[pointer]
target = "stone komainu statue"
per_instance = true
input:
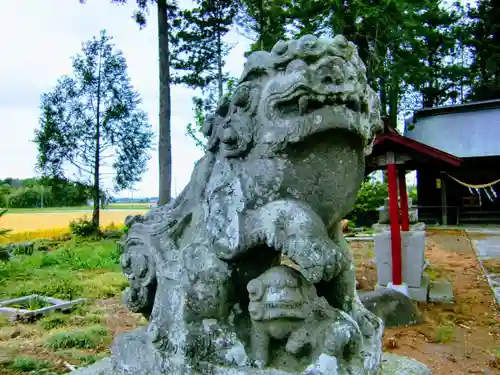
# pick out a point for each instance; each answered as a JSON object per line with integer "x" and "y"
{"x": 284, "y": 161}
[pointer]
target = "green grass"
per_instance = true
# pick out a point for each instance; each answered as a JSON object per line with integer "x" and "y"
{"x": 113, "y": 206}
{"x": 91, "y": 337}
{"x": 81, "y": 357}
{"x": 28, "y": 364}
{"x": 88, "y": 269}
{"x": 444, "y": 333}
{"x": 72, "y": 269}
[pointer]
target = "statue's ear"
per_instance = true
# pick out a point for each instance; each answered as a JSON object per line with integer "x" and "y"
{"x": 208, "y": 125}
{"x": 223, "y": 106}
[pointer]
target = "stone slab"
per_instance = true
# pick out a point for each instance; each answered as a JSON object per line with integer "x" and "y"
{"x": 391, "y": 365}
{"x": 441, "y": 292}
{"x": 17, "y": 313}
{"x": 360, "y": 239}
{"x": 419, "y": 294}
{"x": 378, "y": 227}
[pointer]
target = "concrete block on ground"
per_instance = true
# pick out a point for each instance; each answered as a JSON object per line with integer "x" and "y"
{"x": 421, "y": 293}
{"x": 54, "y": 304}
{"x": 416, "y": 227}
{"x": 441, "y": 292}
{"x": 413, "y": 246}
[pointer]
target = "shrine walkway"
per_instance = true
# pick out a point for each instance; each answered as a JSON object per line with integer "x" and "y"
{"x": 486, "y": 243}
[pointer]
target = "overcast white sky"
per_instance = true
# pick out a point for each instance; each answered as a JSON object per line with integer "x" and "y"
{"x": 39, "y": 38}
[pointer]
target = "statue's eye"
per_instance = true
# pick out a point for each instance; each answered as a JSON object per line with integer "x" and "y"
{"x": 280, "y": 48}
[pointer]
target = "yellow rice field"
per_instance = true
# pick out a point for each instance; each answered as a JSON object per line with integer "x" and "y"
{"x": 42, "y": 221}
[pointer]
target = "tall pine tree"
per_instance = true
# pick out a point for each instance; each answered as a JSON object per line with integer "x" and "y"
{"x": 485, "y": 44}
{"x": 263, "y": 21}
{"x": 167, "y": 13}
{"x": 200, "y": 55}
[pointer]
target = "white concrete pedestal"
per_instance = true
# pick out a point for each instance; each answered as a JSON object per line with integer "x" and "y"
{"x": 415, "y": 286}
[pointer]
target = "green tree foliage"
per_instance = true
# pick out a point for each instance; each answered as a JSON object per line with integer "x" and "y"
{"x": 59, "y": 192}
{"x": 200, "y": 49}
{"x": 92, "y": 116}
{"x": 5, "y": 190}
{"x": 3, "y": 231}
{"x": 42, "y": 192}
{"x": 200, "y": 55}
{"x": 485, "y": 44}
{"x": 263, "y": 21}
{"x": 371, "y": 196}
{"x": 205, "y": 106}
{"x": 406, "y": 45}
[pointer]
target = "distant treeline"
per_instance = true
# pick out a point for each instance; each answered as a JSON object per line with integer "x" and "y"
{"x": 42, "y": 192}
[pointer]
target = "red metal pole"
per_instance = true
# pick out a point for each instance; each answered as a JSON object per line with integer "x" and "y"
{"x": 392, "y": 177}
{"x": 403, "y": 196}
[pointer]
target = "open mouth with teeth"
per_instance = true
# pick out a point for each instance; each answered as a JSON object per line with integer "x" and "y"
{"x": 305, "y": 103}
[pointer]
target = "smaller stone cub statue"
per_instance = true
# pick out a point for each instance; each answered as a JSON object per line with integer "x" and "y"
{"x": 285, "y": 307}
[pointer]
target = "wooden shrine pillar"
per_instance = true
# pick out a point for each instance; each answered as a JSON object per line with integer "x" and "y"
{"x": 403, "y": 197}
{"x": 392, "y": 181}
{"x": 444, "y": 203}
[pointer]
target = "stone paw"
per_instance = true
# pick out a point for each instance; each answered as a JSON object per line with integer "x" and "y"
{"x": 340, "y": 337}
{"x": 317, "y": 260}
{"x": 369, "y": 323}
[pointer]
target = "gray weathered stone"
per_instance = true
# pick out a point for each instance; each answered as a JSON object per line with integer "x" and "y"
{"x": 393, "y": 307}
{"x": 384, "y": 217}
{"x": 284, "y": 161}
{"x": 397, "y": 365}
{"x": 441, "y": 292}
{"x": 22, "y": 248}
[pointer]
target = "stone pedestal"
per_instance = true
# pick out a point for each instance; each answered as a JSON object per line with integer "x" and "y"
{"x": 413, "y": 262}
{"x": 383, "y": 214}
{"x": 417, "y": 227}
{"x": 391, "y": 365}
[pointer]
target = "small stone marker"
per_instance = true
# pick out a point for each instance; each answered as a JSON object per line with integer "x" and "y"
{"x": 441, "y": 292}
{"x": 21, "y": 314}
